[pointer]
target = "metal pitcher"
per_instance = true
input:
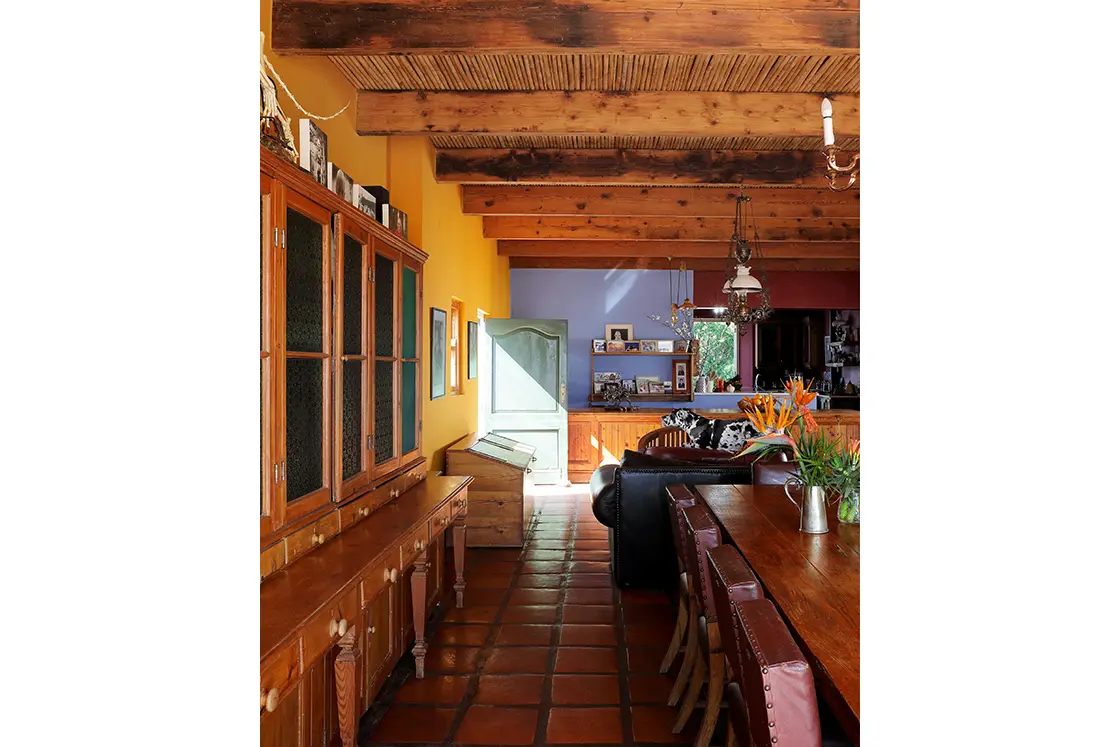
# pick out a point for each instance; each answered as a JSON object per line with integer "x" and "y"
{"x": 814, "y": 520}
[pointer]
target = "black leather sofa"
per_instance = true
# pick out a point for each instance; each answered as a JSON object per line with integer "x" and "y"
{"x": 630, "y": 499}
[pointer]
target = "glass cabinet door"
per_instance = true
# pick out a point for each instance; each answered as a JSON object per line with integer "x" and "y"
{"x": 411, "y": 344}
{"x": 305, "y": 375}
{"x": 386, "y": 352}
{"x": 352, "y": 363}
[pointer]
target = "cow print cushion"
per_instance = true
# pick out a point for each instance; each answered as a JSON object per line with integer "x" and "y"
{"x": 705, "y": 433}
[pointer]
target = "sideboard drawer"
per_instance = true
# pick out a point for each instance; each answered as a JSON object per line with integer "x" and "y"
{"x": 279, "y": 672}
{"x": 381, "y": 575}
{"x": 414, "y": 545}
{"x": 439, "y": 522}
{"x": 312, "y": 536}
{"x": 356, "y": 510}
{"x": 326, "y": 628}
{"x": 459, "y": 504}
{"x": 394, "y": 488}
{"x": 272, "y": 559}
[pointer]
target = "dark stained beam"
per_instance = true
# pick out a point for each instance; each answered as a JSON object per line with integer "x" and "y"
{"x": 663, "y": 167}
{"x": 677, "y": 249}
{"x": 698, "y": 202}
{"x": 660, "y": 113}
{"x": 662, "y": 263}
{"x": 673, "y": 229}
{"x": 371, "y": 27}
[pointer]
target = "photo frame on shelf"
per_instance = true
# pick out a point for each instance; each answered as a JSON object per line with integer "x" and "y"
{"x": 364, "y": 201}
{"x": 681, "y": 346}
{"x": 664, "y": 346}
{"x": 608, "y": 376}
{"x": 656, "y": 387}
{"x": 620, "y": 332}
{"x": 439, "y": 353}
{"x": 644, "y": 383}
{"x": 341, "y": 184}
{"x": 313, "y": 151}
{"x": 616, "y": 346}
{"x": 632, "y": 346}
{"x": 472, "y": 350}
{"x": 629, "y": 386}
{"x": 649, "y": 346}
{"x": 598, "y": 346}
{"x": 680, "y": 376}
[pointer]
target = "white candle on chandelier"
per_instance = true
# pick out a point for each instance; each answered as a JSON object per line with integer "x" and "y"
{"x": 826, "y": 113}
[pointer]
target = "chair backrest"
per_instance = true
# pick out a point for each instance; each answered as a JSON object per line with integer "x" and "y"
{"x": 732, "y": 581}
{"x": 774, "y": 677}
{"x": 772, "y": 473}
{"x": 667, "y": 436}
{"x": 702, "y": 534}
{"x": 680, "y": 498}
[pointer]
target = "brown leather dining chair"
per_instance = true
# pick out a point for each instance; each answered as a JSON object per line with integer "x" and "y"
{"x": 679, "y": 498}
{"x": 771, "y": 698}
{"x": 702, "y": 534}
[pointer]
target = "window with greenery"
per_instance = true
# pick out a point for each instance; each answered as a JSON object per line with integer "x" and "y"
{"x": 719, "y": 348}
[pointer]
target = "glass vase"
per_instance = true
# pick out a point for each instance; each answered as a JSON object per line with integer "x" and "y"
{"x": 848, "y": 510}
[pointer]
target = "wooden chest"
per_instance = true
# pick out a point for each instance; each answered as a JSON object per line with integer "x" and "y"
{"x": 500, "y": 499}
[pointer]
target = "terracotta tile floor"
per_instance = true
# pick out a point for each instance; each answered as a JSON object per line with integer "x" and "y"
{"x": 545, "y": 651}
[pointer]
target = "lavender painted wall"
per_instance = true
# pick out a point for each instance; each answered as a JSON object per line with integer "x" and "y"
{"x": 589, "y": 300}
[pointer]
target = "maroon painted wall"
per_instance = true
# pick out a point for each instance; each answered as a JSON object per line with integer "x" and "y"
{"x": 788, "y": 290}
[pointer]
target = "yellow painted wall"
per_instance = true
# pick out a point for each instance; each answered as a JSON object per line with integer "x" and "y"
{"x": 461, "y": 262}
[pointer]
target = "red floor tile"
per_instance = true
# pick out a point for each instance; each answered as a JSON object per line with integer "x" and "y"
{"x": 473, "y": 597}
{"x": 588, "y": 635}
{"x": 509, "y": 689}
{"x": 585, "y": 689}
{"x": 592, "y": 545}
{"x": 649, "y": 614}
{"x": 540, "y": 581}
{"x": 517, "y": 660}
{"x": 484, "y": 555}
{"x": 414, "y": 724}
{"x": 476, "y": 615}
{"x": 552, "y": 534}
{"x": 522, "y": 597}
{"x": 543, "y": 566}
{"x": 548, "y": 545}
{"x": 487, "y": 581}
{"x": 589, "y": 596}
{"x": 648, "y": 635}
{"x": 541, "y": 614}
{"x": 646, "y": 659}
{"x": 494, "y": 567}
{"x": 451, "y": 659}
{"x": 460, "y": 635}
{"x": 655, "y": 724}
{"x": 591, "y": 580}
{"x": 544, "y": 554}
{"x": 645, "y": 596}
{"x": 487, "y": 725}
{"x": 434, "y": 690}
{"x": 584, "y": 725}
{"x": 524, "y": 635}
{"x": 587, "y": 566}
{"x": 650, "y": 689}
{"x": 598, "y": 614}
{"x": 591, "y": 555}
{"x": 576, "y": 659}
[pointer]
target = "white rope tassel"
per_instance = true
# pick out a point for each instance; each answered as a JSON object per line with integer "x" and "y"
{"x": 280, "y": 80}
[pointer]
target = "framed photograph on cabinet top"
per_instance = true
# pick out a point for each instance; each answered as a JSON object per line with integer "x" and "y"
{"x": 365, "y": 202}
{"x": 439, "y": 353}
{"x": 313, "y": 151}
{"x": 649, "y": 346}
{"x": 341, "y": 184}
{"x": 620, "y": 332}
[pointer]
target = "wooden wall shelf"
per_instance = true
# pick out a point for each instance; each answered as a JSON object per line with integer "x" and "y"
{"x": 639, "y": 354}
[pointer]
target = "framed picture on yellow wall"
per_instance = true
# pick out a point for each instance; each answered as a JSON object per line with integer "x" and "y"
{"x": 472, "y": 350}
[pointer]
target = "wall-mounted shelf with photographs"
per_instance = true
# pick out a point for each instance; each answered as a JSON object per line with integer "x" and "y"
{"x": 650, "y": 397}
{"x": 640, "y": 354}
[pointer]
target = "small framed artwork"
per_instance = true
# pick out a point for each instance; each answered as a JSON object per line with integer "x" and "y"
{"x": 649, "y": 346}
{"x": 629, "y": 386}
{"x": 620, "y": 332}
{"x": 439, "y": 353}
{"x": 680, "y": 376}
{"x": 632, "y": 346}
{"x": 341, "y": 184}
{"x": 598, "y": 346}
{"x": 616, "y": 346}
{"x": 608, "y": 376}
{"x": 664, "y": 346}
{"x": 364, "y": 201}
{"x": 680, "y": 346}
{"x": 656, "y": 387}
{"x": 472, "y": 350}
{"x": 644, "y": 383}
{"x": 313, "y": 150}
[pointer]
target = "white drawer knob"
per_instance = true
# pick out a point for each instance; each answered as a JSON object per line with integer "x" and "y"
{"x": 416, "y": 546}
{"x": 343, "y": 626}
{"x": 393, "y": 576}
{"x": 388, "y": 576}
{"x": 423, "y": 545}
{"x": 272, "y": 700}
{"x": 363, "y": 512}
{"x": 372, "y": 629}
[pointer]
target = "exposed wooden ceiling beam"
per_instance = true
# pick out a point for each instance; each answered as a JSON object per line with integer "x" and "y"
{"x": 669, "y": 167}
{"x": 677, "y": 249}
{"x": 676, "y": 229}
{"x": 488, "y": 199}
{"x": 662, "y": 263}
{"x": 369, "y": 27}
{"x": 662, "y": 113}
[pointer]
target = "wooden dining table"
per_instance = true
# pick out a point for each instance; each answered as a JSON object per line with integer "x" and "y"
{"x": 813, "y": 580}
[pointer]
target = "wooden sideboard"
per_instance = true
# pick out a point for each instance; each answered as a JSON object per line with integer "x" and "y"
{"x": 596, "y": 436}
{"x": 335, "y": 621}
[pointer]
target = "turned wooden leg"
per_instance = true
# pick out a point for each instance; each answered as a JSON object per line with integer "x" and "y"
{"x": 715, "y": 695}
{"x": 678, "y": 636}
{"x": 693, "y": 694}
{"x": 690, "y": 654}
{"x": 419, "y": 610}
{"x": 731, "y": 734}
{"x": 459, "y": 539}
{"x": 346, "y": 686}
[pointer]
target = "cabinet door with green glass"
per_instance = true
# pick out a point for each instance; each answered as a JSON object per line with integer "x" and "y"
{"x": 384, "y": 384}
{"x": 412, "y": 302}
{"x": 353, "y": 434}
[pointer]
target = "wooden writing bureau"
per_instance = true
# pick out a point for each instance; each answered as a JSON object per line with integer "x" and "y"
{"x": 336, "y": 608}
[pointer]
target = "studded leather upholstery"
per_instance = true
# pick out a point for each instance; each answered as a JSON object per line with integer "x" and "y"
{"x": 732, "y": 580}
{"x": 703, "y": 534}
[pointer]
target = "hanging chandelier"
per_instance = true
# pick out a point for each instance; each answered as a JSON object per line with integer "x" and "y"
{"x": 680, "y": 317}
{"x": 740, "y": 283}
{"x": 835, "y": 171}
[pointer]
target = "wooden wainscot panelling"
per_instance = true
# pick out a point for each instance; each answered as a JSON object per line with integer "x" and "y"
{"x": 583, "y": 446}
{"x": 662, "y": 113}
{"x": 669, "y": 202}
{"x": 669, "y": 167}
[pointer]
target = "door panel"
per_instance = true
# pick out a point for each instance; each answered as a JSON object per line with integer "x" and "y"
{"x": 528, "y": 391}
